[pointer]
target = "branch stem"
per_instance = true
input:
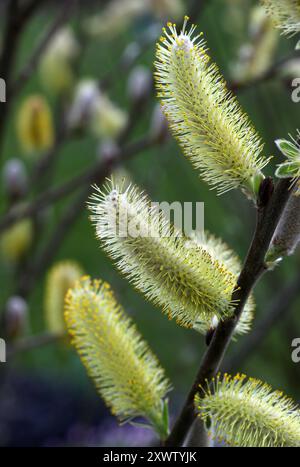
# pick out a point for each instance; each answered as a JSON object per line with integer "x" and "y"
{"x": 268, "y": 217}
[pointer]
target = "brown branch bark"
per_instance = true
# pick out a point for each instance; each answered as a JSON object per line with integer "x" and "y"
{"x": 279, "y": 308}
{"x": 268, "y": 217}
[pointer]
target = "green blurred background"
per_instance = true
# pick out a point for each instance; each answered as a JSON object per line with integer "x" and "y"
{"x": 166, "y": 176}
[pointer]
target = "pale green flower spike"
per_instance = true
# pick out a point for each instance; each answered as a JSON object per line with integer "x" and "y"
{"x": 125, "y": 371}
{"x": 248, "y": 413}
{"x": 285, "y": 15}
{"x": 224, "y": 255}
{"x": 291, "y": 150}
{"x": 187, "y": 283}
{"x": 204, "y": 116}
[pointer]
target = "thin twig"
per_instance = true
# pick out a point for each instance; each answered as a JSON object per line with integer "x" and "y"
{"x": 279, "y": 308}
{"x": 253, "y": 268}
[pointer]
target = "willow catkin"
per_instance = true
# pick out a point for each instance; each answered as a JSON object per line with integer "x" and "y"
{"x": 125, "y": 371}
{"x": 188, "y": 283}
{"x": 220, "y": 251}
{"x": 204, "y": 116}
{"x": 248, "y": 413}
{"x": 285, "y": 14}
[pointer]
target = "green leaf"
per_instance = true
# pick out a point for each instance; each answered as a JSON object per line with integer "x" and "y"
{"x": 287, "y": 148}
{"x": 287, "y": 170}
{"x": 166, "y": 415}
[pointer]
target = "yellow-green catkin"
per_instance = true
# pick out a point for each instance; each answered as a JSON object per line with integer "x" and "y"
{"x": 56, "y": 66}
{"x": 125, "y": 371}
{"x": 203, "y": 115}
{"x": 220, "y": 251}
{"x": 34, "y": 125}
{"x": 189, "y": 284}
{"x": 61, "y": 277}
{"x": 16, "y": 241}
{"x": 285, "y": 14}
{"x": 248, "y": 413}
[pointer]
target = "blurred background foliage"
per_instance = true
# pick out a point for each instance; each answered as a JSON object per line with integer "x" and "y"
{"x": 49, "y": 383}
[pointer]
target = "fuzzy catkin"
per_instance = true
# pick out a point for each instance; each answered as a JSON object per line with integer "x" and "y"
{"x": 125, "y": 371}
{"x": 224, "y": 255}
{"x": 248, "y": 413}
{"x": 34, "y": 125}
{"x": 203, "y": 115}
{"x": 285, "y": 14}
{"x": 188, "y": 283}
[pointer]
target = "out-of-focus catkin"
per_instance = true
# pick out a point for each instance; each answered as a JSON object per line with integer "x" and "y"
{"x": 285, "y": 14}
{"x": 34, "y": 125}
{"x": 61, "y": 277}
{"x": 16, "y": 241}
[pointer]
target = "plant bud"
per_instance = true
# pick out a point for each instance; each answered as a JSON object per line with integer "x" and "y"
{"x": 168, "y": 9}
{"x": 130, "y": 54}
{"x": 15, "y": 180}
{"x": 159, "y": 126}
{"x": 287, "y": 233}
{"x": 139, "y": 84}
{"x": 15, "y": 317}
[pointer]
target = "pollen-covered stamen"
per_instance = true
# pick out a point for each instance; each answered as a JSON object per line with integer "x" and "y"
{"x": 125, "y": 371}
{"x": 205, "y": 118}
{"x": 248, "y": 413}
{"x": 230, "y": 261}
{"x": 189, "y": 284}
